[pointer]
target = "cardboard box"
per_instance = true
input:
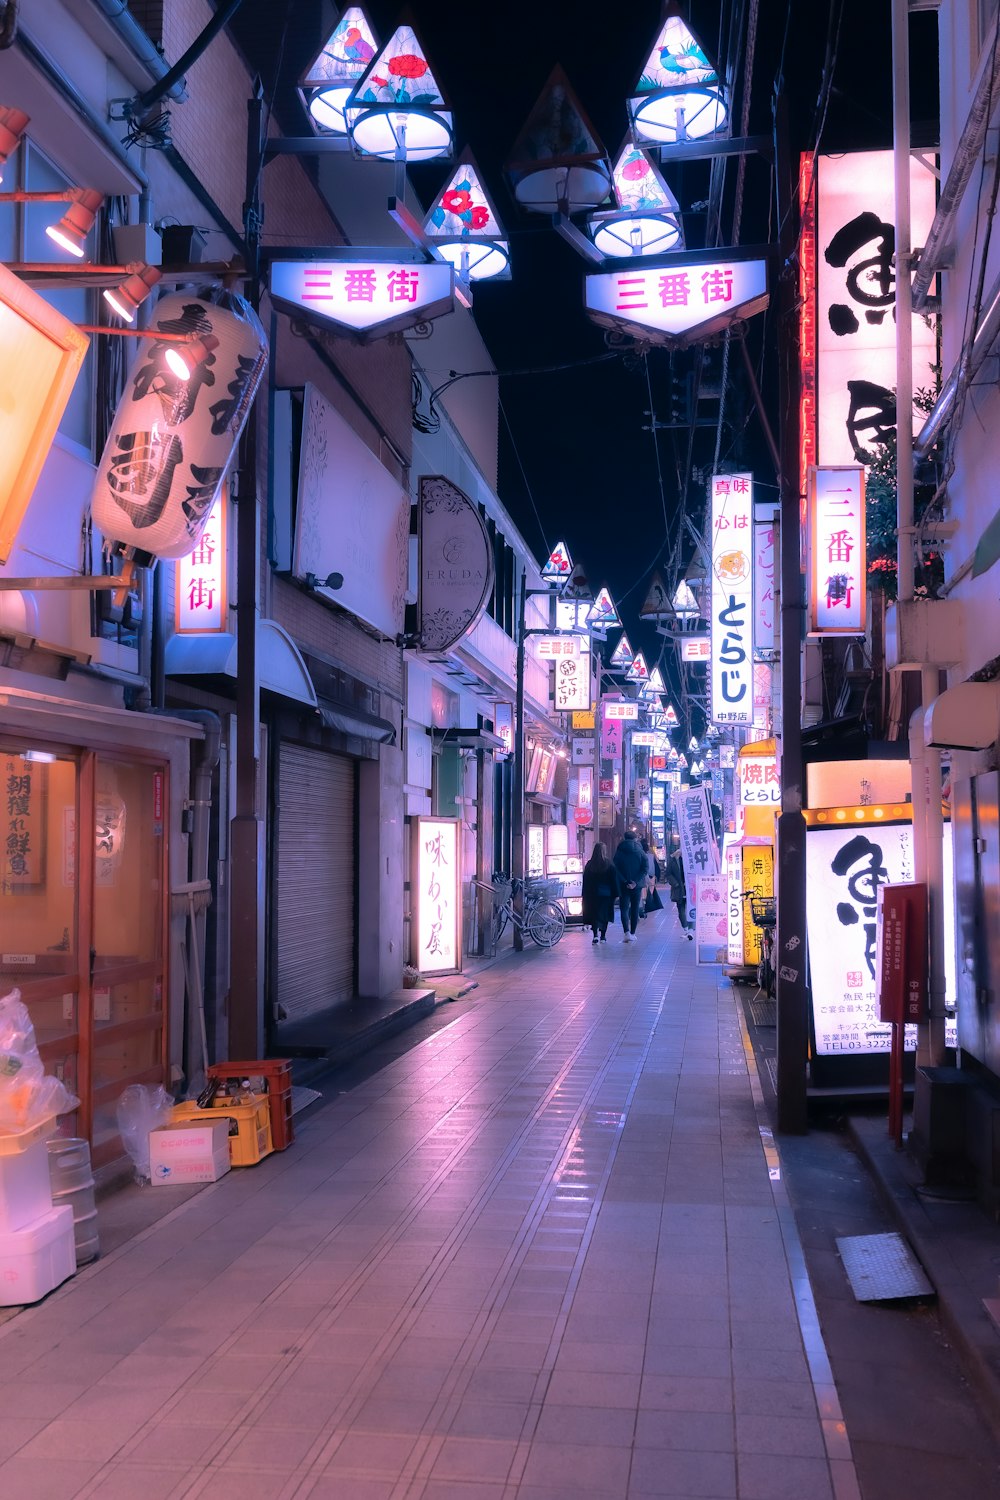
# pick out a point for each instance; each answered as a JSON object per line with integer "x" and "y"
{"x": 189, "y": 1153}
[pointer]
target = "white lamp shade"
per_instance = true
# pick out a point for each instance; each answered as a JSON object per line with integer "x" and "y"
{"x": 621, "y": 235}
{"x": 678, "y": 96}
{"x": 330, "y": 78}
{"x": 397, "y": 111}
{"x": 172, "y": 439}
{"x": 477, "y": 260}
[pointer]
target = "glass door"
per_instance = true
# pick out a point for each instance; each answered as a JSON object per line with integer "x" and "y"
{"x": 129, "y": 909}
{"x": 82, "y": 921}
{"x": 41, "y": 953}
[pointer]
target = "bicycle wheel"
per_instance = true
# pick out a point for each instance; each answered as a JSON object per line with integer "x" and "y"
{"x": 546, "y": 924}
{"x": 501, "y": 916}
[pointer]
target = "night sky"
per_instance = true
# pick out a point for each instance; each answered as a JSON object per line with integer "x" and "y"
{"x": 576, "y": 462}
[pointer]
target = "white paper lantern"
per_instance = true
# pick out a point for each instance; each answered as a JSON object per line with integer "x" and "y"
{"x": 173, "y": 438}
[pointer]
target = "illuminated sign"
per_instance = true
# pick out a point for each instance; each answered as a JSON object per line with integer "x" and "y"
{"x": 602, "y": 612}
{"x": 697, "y": 832}
{"x": 200, "y": 579}
{"x": 503, "y": 726}
{"x": 763, "y": 695}
{"x": 681, "y": 302}
{"x": 571, "y": 614}
{"x": 438, "y": 895}
{"x": 846, "y": 867}
{"x": 621, "y": 656}
{"x": 583, "y": 718}
{"x": 551, "y": 646}
{"x": 583, "y": 751}
{"x": 560, "y": 564}
{"x": 612, "y": 738}
{"x": 643, "y": 738}
{"x": 760, "y": 784}
{"x": 43, "y": 353}
{"x": 621, "y": 710}
{"x": 764, "y": 637}
{"x": 855, "y": 297}
{"x": 366, "y": 297}
{"x": 585, "y": 787}
{"x": 732, "y": 599}
{"x": 536, "y": 849}
{"x": 837, "y": 568}
{"x": 711, "y": 919}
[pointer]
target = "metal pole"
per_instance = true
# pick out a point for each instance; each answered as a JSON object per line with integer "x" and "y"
{"x": 517, "y": 811}
{"x": 791, "y": 987}
{"x": 247, "y": 875}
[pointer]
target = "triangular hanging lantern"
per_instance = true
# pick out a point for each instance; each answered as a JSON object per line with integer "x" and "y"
{"x": 685, "y": 603}
{"x": 693, "y": 745}
{"x": 465, "y": 227}
{"x": 670, "y": 714}
{"x": 621, "y": 656}
{"x": 656, "y": 681}
{"x": 560, "y": 564}
{"x": 602, "y": 612}
{"x": 397, "y": 111}
{"x": 638, "y": 671}
{"x": 657, "y": 602}
{"x": 557, "y": 164}
{"x": 647, "y": 218}
{"x": 678, "y": 96}
{"x": 577, "y": 585}
{"x": 673, "y": 755}
{"x": 331, "y": 77}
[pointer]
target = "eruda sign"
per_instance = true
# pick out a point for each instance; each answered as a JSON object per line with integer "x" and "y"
{"x": 365, "y": 297}
{"x": 681, "y": 302}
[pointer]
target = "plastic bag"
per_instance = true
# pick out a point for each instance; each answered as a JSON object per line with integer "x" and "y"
{"x": 140, "y": 1110}
{"x": 27, "y": 1094}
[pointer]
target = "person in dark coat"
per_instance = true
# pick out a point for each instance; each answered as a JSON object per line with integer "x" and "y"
{"x": 600, "y": 887}
{"x": 678, "y": 889}
{"x": 630, "y": 864}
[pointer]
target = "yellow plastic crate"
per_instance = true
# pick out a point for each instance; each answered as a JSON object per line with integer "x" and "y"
{"x": 249, "y": 1126}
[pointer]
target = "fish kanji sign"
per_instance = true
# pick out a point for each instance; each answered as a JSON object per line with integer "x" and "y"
{"x": 366, "y": 297}
{"x": 679, "y": 302}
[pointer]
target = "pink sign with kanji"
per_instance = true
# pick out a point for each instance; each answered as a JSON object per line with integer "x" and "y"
{"x": 200, "y": 578}
{"x": 366, "y": 297}
{"x": 837, "y": 566}
{"x": 676, "y": 299}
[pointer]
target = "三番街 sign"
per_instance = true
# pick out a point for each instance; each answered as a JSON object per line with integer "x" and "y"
{"x": 679, "y": 301}
{"x": 364, "y": 297}
{"x": 456, "y": 563}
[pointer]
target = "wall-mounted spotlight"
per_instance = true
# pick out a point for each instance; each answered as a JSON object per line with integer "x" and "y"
{"x": 127, "y": 298}
{"x": 184, "y": 358}
{"x": 13, "y": 124}
{"x": 331, "y": 581}
{"x": 78, "y": 220}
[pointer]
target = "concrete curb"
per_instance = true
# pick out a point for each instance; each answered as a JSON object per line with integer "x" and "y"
{"x": 959, "y": 1248}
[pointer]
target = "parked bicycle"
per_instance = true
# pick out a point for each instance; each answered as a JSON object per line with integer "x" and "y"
{"x": 544, "y": 921}
{"x": 763, "y": 914}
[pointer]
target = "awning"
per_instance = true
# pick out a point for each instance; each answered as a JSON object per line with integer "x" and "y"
{"x": 357, "y": 721}
{"x": 468, "y": 739}
{"x": 280, "y": 667}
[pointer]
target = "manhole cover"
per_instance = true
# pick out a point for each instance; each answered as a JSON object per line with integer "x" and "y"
{"x": 882, "y": 1268}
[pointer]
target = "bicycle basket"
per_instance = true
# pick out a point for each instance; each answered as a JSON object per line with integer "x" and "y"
{"x": 501, "y": 890}
{"x": 762, "y": 910}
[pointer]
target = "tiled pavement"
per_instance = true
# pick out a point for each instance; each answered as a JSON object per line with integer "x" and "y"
{"x": 544, "y": 1254}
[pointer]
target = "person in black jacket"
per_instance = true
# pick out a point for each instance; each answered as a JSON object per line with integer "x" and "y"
{"x": 678, "y": 889}
{"x": 630, "y": 864}
{"x": 600, "y": 887}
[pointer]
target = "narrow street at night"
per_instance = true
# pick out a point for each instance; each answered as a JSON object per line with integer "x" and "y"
{"x": 538, "y": 1248}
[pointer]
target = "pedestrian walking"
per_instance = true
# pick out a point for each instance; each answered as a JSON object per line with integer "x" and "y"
{"x": 678, "y": 889}
{"x": 650, "y": 881}
{"x": 600, "y": 887}
{"x": 630, "y": 864}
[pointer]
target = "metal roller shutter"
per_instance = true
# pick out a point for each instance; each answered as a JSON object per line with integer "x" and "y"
{"x": 316, "y": 880}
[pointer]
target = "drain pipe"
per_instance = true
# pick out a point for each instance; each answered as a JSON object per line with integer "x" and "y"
{"x": 132, "y": 34}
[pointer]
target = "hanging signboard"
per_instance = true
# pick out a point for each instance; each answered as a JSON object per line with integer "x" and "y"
{"x": 760, "y": 784}
{"x": 732, "y": 604}
{"x": 549, "y": 647}
{"x": 438, "y": 888}
{"x": 678, "y": 300}
{"x": 697, "y": 832}
{"x": 456, "y": 563}
{"x": 200, "y": 579}
{"x": 835, "y": 523}
{"x": 583, "y": 750}
{"x": 352, "y": 517}
{"x": 696, "y": 648}
{"x": 536, "y": 849}
{"x": 764, "y": 637}
{"x": 503, "y": 726}
{"x": 367, "y": 297}
{"x": 571, "y": 614}
{"x": 583, "y": 718}
{"x": 571, "y": 686}
{"x": 612, "y": 737}
{"x": 621, "y": 709}
{"x": 643, "y": 738}
{"x": 763, "y": 695}
{"x": 734, "y": 903}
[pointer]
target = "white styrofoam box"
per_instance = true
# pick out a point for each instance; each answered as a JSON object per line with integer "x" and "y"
{"x": 189, "y": 1153}
{"x": 25, "y": 1193}
{"x": 38, "y": 1258}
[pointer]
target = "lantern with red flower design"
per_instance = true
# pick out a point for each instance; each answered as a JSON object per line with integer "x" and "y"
{"x": 396, "y": 110}
{"x": 647, "y": 219}
{"x": 327, "y": 82}
{"x": 463, "y": 226}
